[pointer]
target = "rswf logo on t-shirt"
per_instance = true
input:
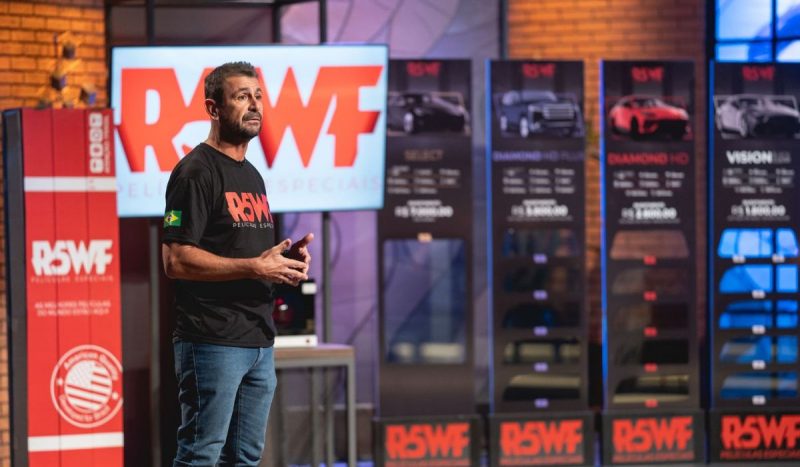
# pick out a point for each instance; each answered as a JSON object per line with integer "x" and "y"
{"x": 246, "y": 209}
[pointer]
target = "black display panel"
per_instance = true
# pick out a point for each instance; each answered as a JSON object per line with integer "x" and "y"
{"x": 754, "y": 217}
{"x": 535, "y": 166}
{"x": 650, "y": 355}
{"x": 425, "y": 242}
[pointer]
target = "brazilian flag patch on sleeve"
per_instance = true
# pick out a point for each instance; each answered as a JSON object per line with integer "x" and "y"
{"x": 172, "y": 219}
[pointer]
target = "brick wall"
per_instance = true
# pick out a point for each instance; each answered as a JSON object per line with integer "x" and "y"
{"x": 591, "y": 30}
{"x": 27, "y": 58}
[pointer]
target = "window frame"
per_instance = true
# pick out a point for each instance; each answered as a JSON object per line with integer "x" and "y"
{"x": 774, "y": 41}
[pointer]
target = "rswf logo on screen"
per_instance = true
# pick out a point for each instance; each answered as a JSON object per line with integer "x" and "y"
{"x": 331, "y": 107}
{"x": 64, "y": 257}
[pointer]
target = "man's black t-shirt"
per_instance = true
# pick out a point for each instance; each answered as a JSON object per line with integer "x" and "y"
{"x": 220, "y": 205}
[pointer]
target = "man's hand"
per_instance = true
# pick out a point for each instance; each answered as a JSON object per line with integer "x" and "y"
{"x": 274, "y": 267}
{"x": 299, "y": 251}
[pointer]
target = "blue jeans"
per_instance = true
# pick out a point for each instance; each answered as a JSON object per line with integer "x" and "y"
{"x": 225, "y": 394}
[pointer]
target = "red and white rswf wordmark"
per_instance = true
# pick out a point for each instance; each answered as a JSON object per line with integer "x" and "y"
{"x": 74, "y": 381}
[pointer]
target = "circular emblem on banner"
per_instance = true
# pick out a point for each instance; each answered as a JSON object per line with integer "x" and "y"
{"x": 86, "y": 386}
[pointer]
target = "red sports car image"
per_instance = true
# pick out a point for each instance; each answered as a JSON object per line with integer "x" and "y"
{"x": 648, "y": 117}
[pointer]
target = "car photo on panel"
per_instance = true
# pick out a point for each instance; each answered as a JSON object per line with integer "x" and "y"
{"x": 414, "y": 112}
{"x": 644, "y": 117}
{"x": 744, "y": 116}
{"x": 531, "y": 113}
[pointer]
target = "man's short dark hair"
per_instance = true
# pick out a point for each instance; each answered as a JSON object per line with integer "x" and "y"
{"x": 215, "y": 79}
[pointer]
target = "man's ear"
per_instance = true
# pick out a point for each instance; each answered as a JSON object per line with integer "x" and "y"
{"x": 212, "y": 109}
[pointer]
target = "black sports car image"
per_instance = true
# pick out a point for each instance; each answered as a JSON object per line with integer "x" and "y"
{"x": 529, "y": 112}
{"x": 414, "y": 112}
{"x": 756, "y": 116}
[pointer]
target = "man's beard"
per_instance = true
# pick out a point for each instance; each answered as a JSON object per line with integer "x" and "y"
{"x": 237, "y": 132}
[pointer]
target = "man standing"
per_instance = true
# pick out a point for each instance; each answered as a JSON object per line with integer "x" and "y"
{"x": 219, "y": 246}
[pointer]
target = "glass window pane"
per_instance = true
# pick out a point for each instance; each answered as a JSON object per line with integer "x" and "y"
{"x": 543, "y": 281}
{"x": 747, "y": 243}
{"x": 788, "y": 18}
{"x": 661, "y": 388}
{"x": 660, "y": 351}
{"x": 787, "y": 314}
{"x": 531, "y": 386}
{"x": 540, "y": 243}
{"x": 744, "y": 52}
{"x": 788, "y": 51}
{"x": 531, "y": 314}
{"x": 561, "y": 351}
{"x": 636, "y": 316}
{"x": 638, "y": 244}
{"x": 751, "y": 384}
{"x": 786, "y": 278}
{"x": 785, "y": 239}
{"x": 744, "y": 19}
{"x": 747, "y": 278}
{"x": 732, "y": 52}
{"x": 747, "y": 349}
{"x": 662, "y": 281}
{"x": 425, "y": 301}
{"x": 746, "y": 314}
{"x": 241, "y": 25}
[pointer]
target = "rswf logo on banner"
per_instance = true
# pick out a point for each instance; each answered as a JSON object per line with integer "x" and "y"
{"x": 64, "y": 257}
{"x": 321, "y": 146}
{"x": 542, "y": 438}
{"x": 754, "y": 437}
{"x": 419, "y": 442}
{"x": 641, "y": 440}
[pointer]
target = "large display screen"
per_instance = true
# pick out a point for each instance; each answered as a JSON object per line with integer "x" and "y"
{"x": 321, "y": 147}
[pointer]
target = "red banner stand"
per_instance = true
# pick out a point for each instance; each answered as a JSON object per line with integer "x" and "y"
{"x": 63, "y": 288}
